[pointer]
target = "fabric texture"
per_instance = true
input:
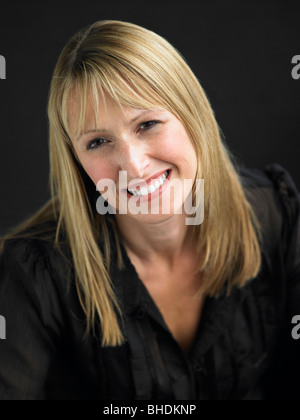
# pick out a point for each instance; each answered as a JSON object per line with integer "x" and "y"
{"x": 243, "y": 348}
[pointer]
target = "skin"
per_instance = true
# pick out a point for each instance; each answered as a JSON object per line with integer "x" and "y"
{"x": 158, "y": 245}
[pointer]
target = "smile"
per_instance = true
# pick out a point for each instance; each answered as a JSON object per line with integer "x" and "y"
{"x": 142, "y": 192}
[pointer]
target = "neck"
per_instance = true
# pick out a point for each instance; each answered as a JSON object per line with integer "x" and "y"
{"x": 163, "y": 241}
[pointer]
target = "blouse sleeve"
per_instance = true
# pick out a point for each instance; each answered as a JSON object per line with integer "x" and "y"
{"x": 29, "y": 344}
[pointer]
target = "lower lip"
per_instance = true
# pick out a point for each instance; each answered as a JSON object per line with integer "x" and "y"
{"x": 157, "y": 193}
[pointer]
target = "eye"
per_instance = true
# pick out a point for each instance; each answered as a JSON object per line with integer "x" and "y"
{"x": 148, "y": 125}
{"x": 95, "y": 143}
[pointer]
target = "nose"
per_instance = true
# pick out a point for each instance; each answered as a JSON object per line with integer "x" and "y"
{"x": 133, "y": 159}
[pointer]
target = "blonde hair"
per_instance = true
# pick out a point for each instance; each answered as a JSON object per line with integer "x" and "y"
{"x": 138, "y": 68}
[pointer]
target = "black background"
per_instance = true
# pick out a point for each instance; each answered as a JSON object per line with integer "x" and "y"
{"x": 241, "y": 51}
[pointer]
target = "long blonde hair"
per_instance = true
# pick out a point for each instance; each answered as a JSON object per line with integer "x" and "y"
{"x": 138, "y": 68}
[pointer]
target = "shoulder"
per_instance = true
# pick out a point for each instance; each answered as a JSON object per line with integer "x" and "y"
{"x": 273, "y": 177}
{"x": 275, "y": 199}
{"x": 274, "y": 186}
{"x": 35, "y": 245}
{"x": 32, "y": 265}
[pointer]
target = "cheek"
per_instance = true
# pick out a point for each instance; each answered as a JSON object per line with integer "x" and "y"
{"x": 99, "y": 169}
{"x": 167, "y": 150}
{"x": 177, "y": 149}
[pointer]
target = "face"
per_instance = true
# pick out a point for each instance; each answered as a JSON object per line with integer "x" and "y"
{"x": 151, "y": 151}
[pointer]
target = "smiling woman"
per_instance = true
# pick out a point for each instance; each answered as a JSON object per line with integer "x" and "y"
{"x": 144, "y": 306}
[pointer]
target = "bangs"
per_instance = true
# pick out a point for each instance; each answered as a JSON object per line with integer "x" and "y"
{"x": 127, "y": 89}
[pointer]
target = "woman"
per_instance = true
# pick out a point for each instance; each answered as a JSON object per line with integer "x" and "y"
{"x": 103, "y": 301}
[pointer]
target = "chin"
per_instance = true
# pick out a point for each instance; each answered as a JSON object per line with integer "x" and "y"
{"x": 155, "y": 218}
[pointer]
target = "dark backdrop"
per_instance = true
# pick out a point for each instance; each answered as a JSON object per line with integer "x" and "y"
{"x": 241, "y": 51}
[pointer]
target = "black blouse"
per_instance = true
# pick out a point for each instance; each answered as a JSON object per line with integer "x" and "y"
{"x": 243, "y": 349}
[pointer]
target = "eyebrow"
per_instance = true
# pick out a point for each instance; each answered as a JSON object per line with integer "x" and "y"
{"x": 104, "y": 131}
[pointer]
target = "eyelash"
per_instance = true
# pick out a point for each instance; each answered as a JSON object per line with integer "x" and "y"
{"x": 153, "y": 124}
{"x": 90, "y": 144}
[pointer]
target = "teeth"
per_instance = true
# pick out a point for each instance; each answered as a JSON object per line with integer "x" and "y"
{"x": 152, "y": 189}
{"x": 145, "y": 191}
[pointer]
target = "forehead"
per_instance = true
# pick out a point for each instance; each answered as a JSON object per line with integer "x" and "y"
{"x": 91, "y": 113}
{"x": 95, "y": 108}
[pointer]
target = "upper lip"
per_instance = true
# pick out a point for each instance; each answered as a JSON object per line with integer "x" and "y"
{"x": 148, "y": 181}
